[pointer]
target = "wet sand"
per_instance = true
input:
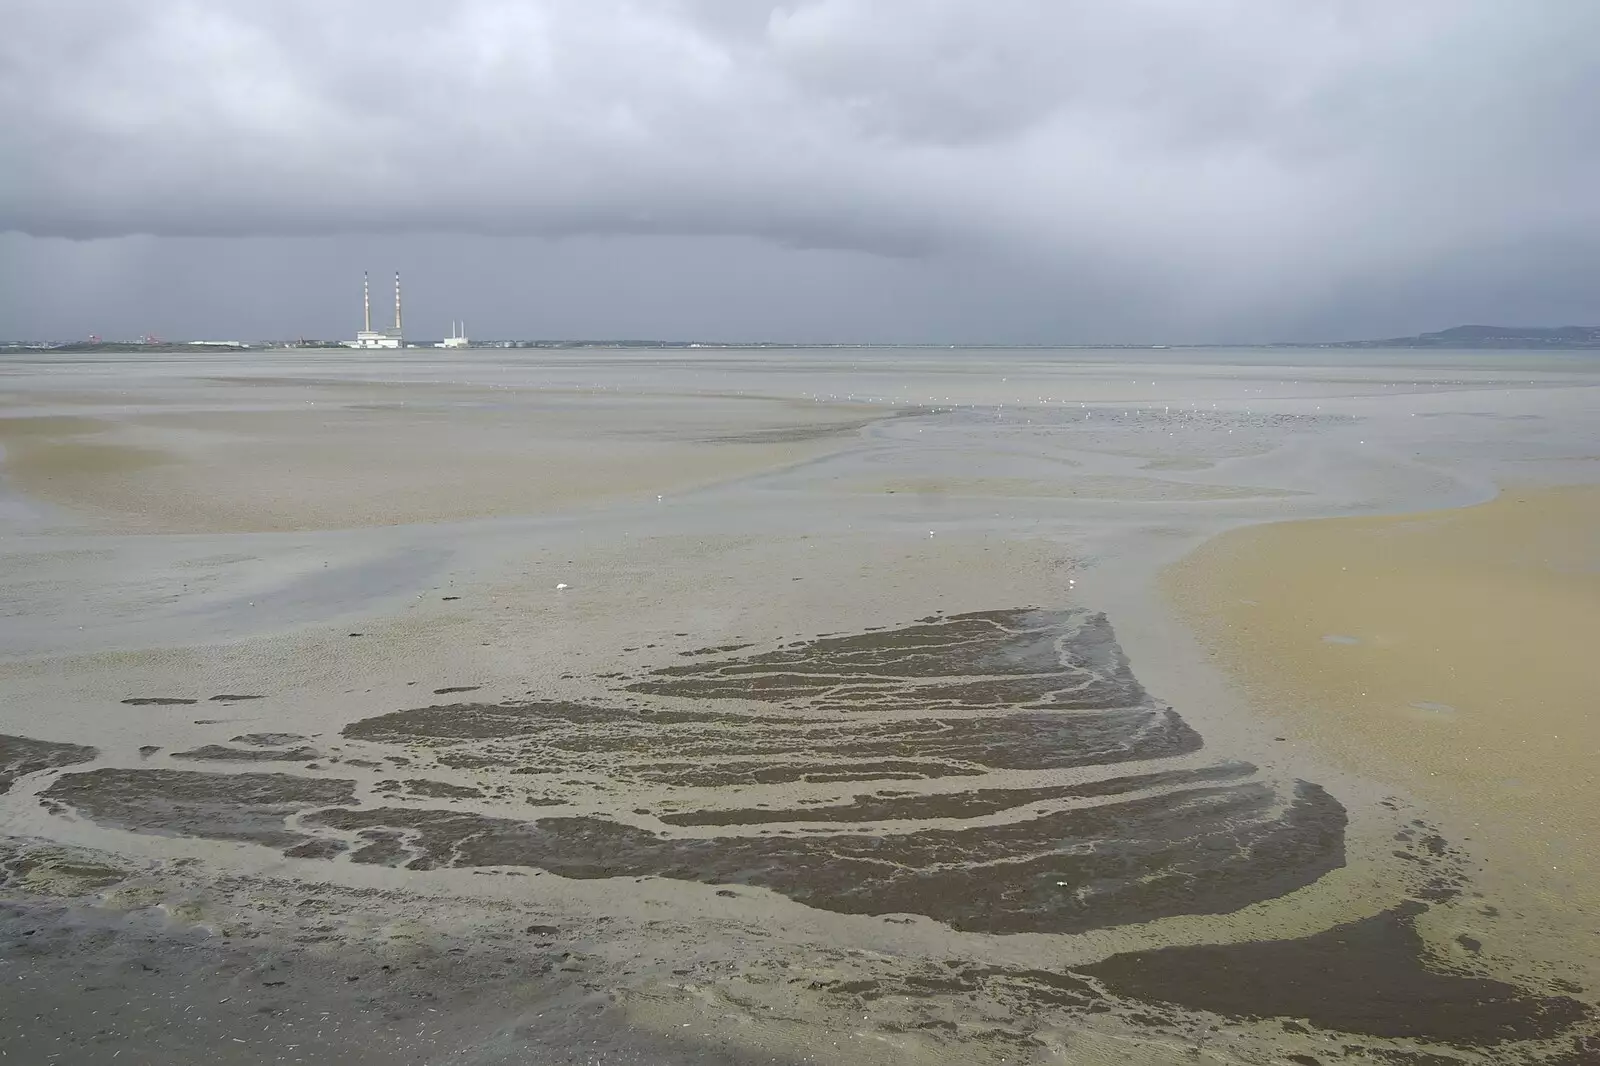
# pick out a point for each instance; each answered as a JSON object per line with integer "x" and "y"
{"x": 734, "y": 707}
{"x": 1451, "y": 653}
{"x": 351, "y": 464}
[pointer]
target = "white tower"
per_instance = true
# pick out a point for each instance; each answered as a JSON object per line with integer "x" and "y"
{"x": 368, "y": 337}
{"x": 458, "y": 336}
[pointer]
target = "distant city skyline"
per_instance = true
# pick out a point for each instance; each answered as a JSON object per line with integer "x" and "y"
{"x": 800, "y": 170}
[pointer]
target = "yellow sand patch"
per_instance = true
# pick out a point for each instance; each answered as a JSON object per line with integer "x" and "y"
{"x": 1456, "y": 654}
{"x": 41, "y": 452}
{"x": 34, "y": 463}
{"x": 12, "y": 429}
{"x": 252, "y": 471}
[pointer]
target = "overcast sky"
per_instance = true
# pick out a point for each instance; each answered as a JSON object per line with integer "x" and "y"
{"x": 888, "y": 170}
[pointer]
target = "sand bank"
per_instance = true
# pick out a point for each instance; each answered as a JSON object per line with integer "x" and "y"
{"x": 336, "y": 467}
{"x": 1452, "y": 654}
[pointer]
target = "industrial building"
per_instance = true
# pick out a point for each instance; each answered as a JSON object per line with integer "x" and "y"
{"x": 370, "y": 338}
{"x": 457, "y": 338}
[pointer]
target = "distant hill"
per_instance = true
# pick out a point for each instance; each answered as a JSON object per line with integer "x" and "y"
{"x": 1491, "y": 337}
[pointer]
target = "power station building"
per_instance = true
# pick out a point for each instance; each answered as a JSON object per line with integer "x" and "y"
{"x": 457, "y": 338}
{"x": 369, "y": 337}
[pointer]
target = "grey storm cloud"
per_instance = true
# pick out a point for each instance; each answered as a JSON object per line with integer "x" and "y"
{"x": 1216, "y": 155}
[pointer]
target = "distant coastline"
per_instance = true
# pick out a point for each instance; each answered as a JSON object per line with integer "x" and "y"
{"x": 1568, "y": 338}
{"x": 1486, "y": 337}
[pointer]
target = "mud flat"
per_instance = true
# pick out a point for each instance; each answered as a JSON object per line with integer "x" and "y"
{"x": 970, "y": 700}
{"x": 1044, "y": 691}
{"x": 743, "y": 707}
{"x": 96, "y": 985}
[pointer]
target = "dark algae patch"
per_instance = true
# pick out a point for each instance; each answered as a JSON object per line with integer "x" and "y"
{"x": 1368, "y": 977}
{"x": 970, "y": 804}
{"x": 1025, "y": 657}
{"x": 223, "y": 753}
{"x": 268, "y": 740}
{"x": 962, "y": 696}
{"x": 959, "y": 698}
{"x": 1214, "y": 851}
{"x": 429, "y": 789}
{"x": 243, "y": 806}
{"x": 20, "y": 756}
{"x": 317, "y": 849}
{"x": 999, "y": 772}
{"x": 1022, "y": 990}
